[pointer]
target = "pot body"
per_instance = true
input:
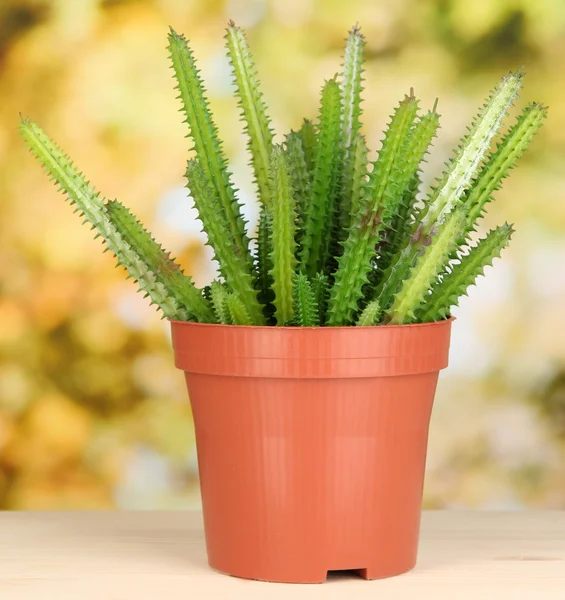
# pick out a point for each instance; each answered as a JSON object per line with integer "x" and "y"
{"x": 311, "y": 444}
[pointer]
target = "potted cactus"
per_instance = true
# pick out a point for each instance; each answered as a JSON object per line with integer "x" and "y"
{"x": 312, "y": 361}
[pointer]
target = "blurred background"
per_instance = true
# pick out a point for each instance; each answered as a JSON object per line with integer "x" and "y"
{"x": 92, "y": 411}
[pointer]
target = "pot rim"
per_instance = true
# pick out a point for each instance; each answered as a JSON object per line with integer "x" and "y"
{"x": 316, "y": 328}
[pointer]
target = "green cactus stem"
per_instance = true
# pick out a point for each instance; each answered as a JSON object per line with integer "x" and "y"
{"x": 233, "y": 266}
{"x": 458, "y": 278}
{"x": 428, "y": 266}
{"x": 219, "y": 295}
{"x": 252, "y": 107}
{"x": 500, "y": 162}
{"x": 320, "y": 287}
{"x": 370, "y": 315}
{"x": 90, "y": 205}
{"x": 204, "y": 135}
{"x": 263, "y": 264}
{"x": 354, "y": 180}
{"x": 167, "y": 272}
{"x": 283, "y": 256}
{"x": 300, "y": 177}
{"x": 352, "y": 86}
{"x": 455, "y": 181}
{"x": 305, "y": 307}
{"x": 379, "y": 206}
{"x": 238, "y": 313}
{"x": 308, "y": 137}
{"x": 417, "y": 146}
{"x": 320, "y": 209}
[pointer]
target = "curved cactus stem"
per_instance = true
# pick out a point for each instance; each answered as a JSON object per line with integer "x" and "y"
{"x": 453, "y": 284}
{"x": 499, "y": 163}
{"x": 219, "y": 295}
{"x": 91, "y": 205}
{"x": 429, "y": 265}
{"x": 237, "y": 310}
{"x": 379, "y": 205}
{"x": 306, "y": 310}
{"x": 204, "y": 135}
{"x": 233, "y": 266}
{"x": 179, "y": 286}
{"x": 456, "y": 179}
{"x": 370, "y": 315}
{"x": 320, "y": 209}
{"x": 252, "y": 107}
{"x": 283, "y": 257}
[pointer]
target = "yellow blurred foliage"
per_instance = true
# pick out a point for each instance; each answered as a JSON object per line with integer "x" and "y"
{"x": 92, "y": 411}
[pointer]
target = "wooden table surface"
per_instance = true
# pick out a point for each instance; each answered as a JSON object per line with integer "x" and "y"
{"x": 161, "y": 556}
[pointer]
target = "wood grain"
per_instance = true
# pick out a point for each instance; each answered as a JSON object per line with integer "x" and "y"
{"x": 161, "y": 555}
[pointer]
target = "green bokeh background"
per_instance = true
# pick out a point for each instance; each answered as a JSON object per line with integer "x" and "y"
{"x": 92, "y": 412}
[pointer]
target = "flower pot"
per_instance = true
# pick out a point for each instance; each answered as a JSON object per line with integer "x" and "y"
{"x": 311, "y": 444}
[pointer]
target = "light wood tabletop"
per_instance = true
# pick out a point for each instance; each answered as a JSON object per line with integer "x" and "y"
{"x": 161, "y": 555}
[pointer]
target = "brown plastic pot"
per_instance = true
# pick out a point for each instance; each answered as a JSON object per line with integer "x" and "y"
{"x": 311, "y": 444}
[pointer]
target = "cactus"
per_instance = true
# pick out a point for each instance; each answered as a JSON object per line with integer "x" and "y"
{"x": 455, "y": 281}
{"x": 300, "y": 177}
{"x": 233, "y": 266}
{"x": 238, "y": 313}
{"x": 370, "y": 315}
{"x": 157, "y": 275}
{"x": 204, "y": 135}
{"x": 380, "y": 201}
{"x": 305, "y": 305}
{"x": 307, "y": 135}
{"x": 430, "y": 263}
{"x": 501, "y": 161}
{"x": 339, "y": 241}
{"x": 219, "y": 296}
{"x": 283, "y": 255}
{"x": 320, "y": 207}
{"x": 455, "y": 181}
{"x": 253, "y": 108}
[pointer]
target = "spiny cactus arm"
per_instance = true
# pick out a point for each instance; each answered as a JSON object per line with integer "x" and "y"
{"x": 299, "y": 174}
{"x": 238, "y": 313}
{"x": 234, "y": 267}
{"x": 219, "y": 296}
{"x": 499, "y": 163}
{"x": 370, "y": 315}
{"x": 463, "y": 166}
{"x": 426, "y": 270}
{"x": 354, "y": 180}
{"x": 306, "y": 310}
{"x": 377, "y": 206}
{"x": 89, "y": 203}
{"x": 447, "y": 292}
{"x": 204, "y": 135}
{"x": 263, "y": 264}
{"x": 252, "y": 106}
{"x": 307, "y": 135}
{"x": 167, "y": 272}
{"x": 320, "y": 289}
{"x": 352, "y": 85}
{"x": 455, "y": 180}
{"x": 417, "y": 145}
{"x": 320, "y": 209}
{"x": 283, "y": 257}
